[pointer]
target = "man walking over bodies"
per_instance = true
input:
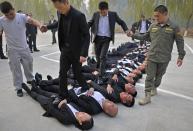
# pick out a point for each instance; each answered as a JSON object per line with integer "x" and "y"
{"x": 74, "y": 39}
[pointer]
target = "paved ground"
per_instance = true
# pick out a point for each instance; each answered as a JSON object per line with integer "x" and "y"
{"x": 171, "y": 110}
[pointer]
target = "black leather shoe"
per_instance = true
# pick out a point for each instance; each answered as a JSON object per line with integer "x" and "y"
{"x": 36, "y": 50}
{"x": 29, "y": 82}
{"x": 57, "y": 100}
{"x": 26, "y": 88}
{"x": 34, "y": 85}
{"x": 38, "y": 78}
{"x": 3, "y": 57}
{"x": 54, "y": 42}
{"x": 20, "y": 93}
{"x": 49, "y": 77}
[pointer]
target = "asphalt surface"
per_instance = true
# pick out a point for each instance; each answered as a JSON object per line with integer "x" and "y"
{"x": 171, "y": 110}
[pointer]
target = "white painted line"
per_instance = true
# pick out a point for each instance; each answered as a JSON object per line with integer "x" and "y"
{"x": 176, "y": 94}
{"x": 191, "y": 50}
{"x": 44, "y": 45}
{"x": 56, "y": 61}
{"x": 140, "y": 84}
{"x": 169, "y": 92}
{"x": 57, "y": 52}
{"x": 49, "y": 59}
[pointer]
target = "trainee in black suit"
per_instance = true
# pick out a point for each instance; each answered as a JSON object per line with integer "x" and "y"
{"x": 88, "y": 103}
{"x": 64, "y": 115}
{"x": 31, "y": 33}
{"x": 148, "y": 23}
{"x": 102, "y": 42}
{"x": 74, "y": 39}
{"x": 53, "y": 31}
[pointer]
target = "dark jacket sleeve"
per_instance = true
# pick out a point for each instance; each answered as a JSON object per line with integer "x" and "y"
{"x": 78, "y": 101}
{"x": 62, "y": 117}
{"x": 52, "y": 26}
{"x": 87, "y": 69}
{"x": 36, "y": 30}
{"x": 91, "y": 22}
{"x": 85, "y": 36}
{"x": 27, "y": 29}
{"x": 121, "y": 22}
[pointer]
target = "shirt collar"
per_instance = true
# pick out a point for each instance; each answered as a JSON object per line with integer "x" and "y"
{"x": 104, "y": 16}
{"x": 168, "y": 23}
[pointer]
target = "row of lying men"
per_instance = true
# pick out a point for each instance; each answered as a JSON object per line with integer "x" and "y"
{"x": 124, "y": 68}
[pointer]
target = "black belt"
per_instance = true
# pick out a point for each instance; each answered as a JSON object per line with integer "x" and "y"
{"x": 103, "y": 37}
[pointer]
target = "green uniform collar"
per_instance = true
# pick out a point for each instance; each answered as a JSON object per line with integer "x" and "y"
{"x": 167, "y": 23}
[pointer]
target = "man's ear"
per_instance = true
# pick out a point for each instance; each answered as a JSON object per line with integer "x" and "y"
{"x": 166, "y": 13}
{"x": 80, "y": 122}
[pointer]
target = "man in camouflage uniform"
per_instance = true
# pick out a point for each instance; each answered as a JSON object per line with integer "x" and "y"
{"x": 162, "y": 35}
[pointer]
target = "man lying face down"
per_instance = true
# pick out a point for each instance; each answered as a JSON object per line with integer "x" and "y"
{"x": 114, "y": 93}
{"x": 93, "y": 104}
{"x": 66, "y": 113}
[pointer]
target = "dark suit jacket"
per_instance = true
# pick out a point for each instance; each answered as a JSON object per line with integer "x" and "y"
{"x": 64, "y": 115}
{"x": 115, "y": 97}
{"x": 148, "y": 23}
{"x": 87, "y": 103}
{"x": 135, "y": 27}
{"x": 78, "y": 33}
{"x": 113, "y": 19}
{"x": 31, "y": 30}
{"x": 54, "y": 21}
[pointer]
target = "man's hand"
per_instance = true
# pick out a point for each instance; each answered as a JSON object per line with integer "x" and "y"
{"x": 82, "y": 59}
{"x": 115, "y": 78}
{"x": 127, "y": 33}
{"x": 130, "y": 34}
{"x": 95, "y": 73}
{"x": 89, "y": 81}
{"x": 179, "y": 62}
{"x": 61, "y": 103}
{"x": 109, "y": 89}
{"x": 43, "y": 28}
{"x": 90, "y": 92}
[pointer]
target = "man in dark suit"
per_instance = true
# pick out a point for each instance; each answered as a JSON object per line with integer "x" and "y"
{"x": 53, "y": 30}
{"x": 66, "y": 113}
{"x": 74, "y": 39}
{"x": 2, "y": 56}
{"x": 143, "y": 26}
{"x": 31, "y": 33}
{"x": 103, "y": 29}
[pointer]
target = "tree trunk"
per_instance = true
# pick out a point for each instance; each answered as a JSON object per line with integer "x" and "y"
{"x": 188, "y": 24}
